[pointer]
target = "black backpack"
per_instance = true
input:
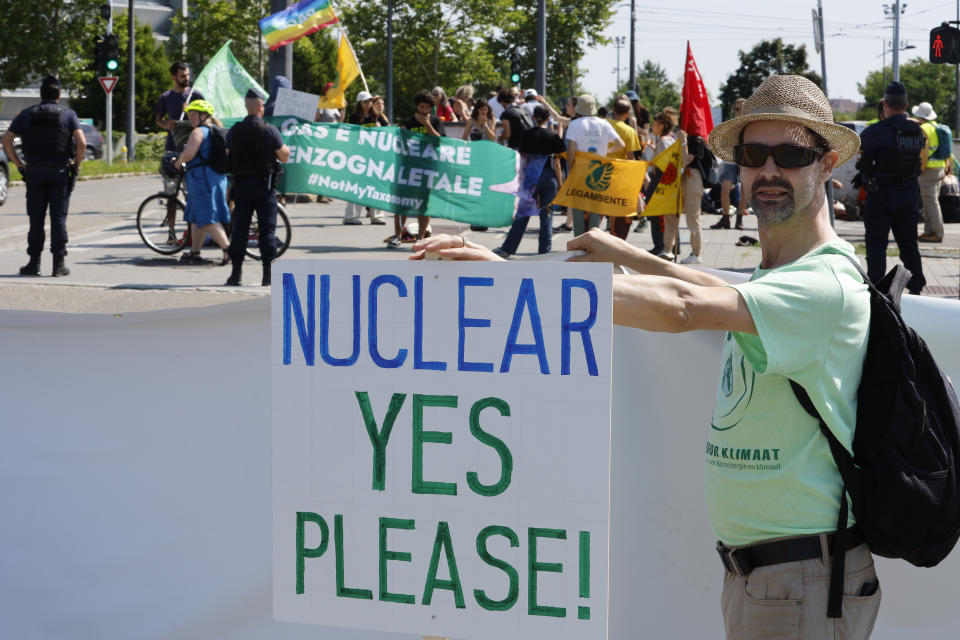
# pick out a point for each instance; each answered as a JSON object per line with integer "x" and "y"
{"x": 904, "y": 475}
{"x": 218, "y": 160}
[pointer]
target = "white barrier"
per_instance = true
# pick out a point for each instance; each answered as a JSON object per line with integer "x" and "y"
{"x": 135, "y": 465}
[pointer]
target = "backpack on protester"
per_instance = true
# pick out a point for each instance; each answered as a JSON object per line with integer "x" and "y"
{"x": 904, "y": 475}
{"x": 217, "y": 158}
{"x": 944, "y": 143}
{"x": 711, "y": 169}
{"x": 526, "y": 120}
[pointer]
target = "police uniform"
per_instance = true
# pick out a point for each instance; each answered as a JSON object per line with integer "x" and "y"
{"x": 47, "y": 132}
{"x": 890, "y": 164}
{"x": 253, "y": 160}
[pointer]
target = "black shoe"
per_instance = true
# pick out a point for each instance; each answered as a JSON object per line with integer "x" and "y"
{"x": 59, "y": 269}
{"x": 476, "y": 227}
{"x": 563, "y": 228}
{"x": 723, "y": 223}
{"x": 32, "y": 268}
{"x": 265, "y": 281}
{"x": 235, "y": 275}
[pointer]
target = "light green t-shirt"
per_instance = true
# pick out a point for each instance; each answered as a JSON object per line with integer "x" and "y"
{"x": 769, "y": 471}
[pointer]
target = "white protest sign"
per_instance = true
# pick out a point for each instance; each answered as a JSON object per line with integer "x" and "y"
{"x": 441, "y": 447}
{"x": 296, "y": 103}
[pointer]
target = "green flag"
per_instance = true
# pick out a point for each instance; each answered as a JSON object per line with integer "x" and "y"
{"x": 396, "y": 170}
{"x": 224, "y": 82}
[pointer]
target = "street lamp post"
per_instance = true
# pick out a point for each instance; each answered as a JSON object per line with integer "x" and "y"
{"x": 633, "y": 62}
{"x": 618, "y": 42}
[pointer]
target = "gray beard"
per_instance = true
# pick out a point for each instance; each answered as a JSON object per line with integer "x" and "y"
{"x": 775, "y": 214}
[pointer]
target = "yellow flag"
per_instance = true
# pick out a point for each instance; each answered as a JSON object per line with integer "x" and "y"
{"x": 668, "y": 198}
{"x": 608, "y": 186}
{"x": 348, "y": 70}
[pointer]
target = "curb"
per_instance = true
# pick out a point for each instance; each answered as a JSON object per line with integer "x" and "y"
{"x": 20, "y": 183}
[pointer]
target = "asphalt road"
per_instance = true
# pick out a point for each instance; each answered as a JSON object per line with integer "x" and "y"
{"x": 114, "y": 272}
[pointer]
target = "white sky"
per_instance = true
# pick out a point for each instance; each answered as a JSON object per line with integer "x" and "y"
{"x": 855, "y": 33}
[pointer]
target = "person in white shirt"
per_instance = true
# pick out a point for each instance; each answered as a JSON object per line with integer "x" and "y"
{"x": 593, "y": 135}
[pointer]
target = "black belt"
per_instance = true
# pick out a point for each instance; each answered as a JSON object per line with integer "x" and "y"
{"x": 742, "y": 560}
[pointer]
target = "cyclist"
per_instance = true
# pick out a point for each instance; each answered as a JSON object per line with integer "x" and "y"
{"x": 206, "y": 209}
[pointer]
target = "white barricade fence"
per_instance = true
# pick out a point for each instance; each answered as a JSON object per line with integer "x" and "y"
{"x": 135, "y": 457}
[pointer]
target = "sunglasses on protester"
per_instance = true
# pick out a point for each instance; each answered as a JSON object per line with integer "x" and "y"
{"x": 785, "y": 156}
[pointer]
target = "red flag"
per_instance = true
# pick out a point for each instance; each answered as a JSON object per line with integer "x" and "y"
{"x": 695, "y": 116}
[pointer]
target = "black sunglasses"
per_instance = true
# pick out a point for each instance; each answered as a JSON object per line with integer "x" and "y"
{"x": 786, "y": 156}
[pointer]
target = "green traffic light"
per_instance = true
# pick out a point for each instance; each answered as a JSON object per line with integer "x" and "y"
{"x": 515, "y": 77}
{"x": 112, "y": 65}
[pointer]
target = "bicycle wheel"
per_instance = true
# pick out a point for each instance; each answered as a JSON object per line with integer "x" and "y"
{"x": 283, "y": 234}
{"x": 154, "y": 224}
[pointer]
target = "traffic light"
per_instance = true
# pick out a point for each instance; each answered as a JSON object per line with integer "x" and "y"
{"x": 514, "y": 67}
{"x": 98, "y": 53}
{"x": 111, "y": 53}
{"x": 945, "y": 45}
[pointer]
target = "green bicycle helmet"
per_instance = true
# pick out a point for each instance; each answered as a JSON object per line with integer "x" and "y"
{"x": 201, "y": 106}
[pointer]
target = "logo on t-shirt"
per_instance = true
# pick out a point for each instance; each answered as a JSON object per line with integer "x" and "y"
{"x": 736, "y": 390}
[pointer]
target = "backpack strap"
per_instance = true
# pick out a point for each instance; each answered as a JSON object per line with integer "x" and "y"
{"x": 890, "y": 286}
{"x": 844, "y": 462}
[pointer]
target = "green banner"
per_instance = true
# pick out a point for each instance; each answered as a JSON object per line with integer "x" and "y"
{"x": 224, "y": 83}
{"x": 396, "y": 170}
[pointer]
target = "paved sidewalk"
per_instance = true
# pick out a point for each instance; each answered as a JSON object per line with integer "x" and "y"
{"x": 113, "y": 272}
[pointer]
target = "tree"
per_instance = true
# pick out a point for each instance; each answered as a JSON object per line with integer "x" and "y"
{"x": 654, "y": 88}
{"x": 573, "y": 26}
{"x": 767, "y": 58}
{"x": 925, "y": 82}
{"x": 435, "y": 42}
{"x": 211, "y": 24}
{"x": 439, "y": 42}
{"x": 48, "y": 37}
{"x": 153, "y": 78}
{"x": 314, "y": 61}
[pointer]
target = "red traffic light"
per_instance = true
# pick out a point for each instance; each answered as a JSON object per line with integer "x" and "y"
{"x": 945, "y": 45}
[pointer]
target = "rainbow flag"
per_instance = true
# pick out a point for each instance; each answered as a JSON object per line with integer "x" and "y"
{"x": 294, "y": 22}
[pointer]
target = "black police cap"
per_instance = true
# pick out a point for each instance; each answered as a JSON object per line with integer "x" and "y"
{"x": 895, "y": 89}
{"x": 253, "y": 94}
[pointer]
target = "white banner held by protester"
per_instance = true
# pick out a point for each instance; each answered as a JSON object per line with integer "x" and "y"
{"x": 296, "y": 103}
{"x": 441, "y": 447}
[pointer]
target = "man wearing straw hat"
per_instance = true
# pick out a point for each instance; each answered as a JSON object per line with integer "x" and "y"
{"x": 803, "y": 316}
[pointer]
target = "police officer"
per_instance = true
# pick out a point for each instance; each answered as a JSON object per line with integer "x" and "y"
{"x": 890, "y": 164}
{"x": 255, "y": 148}
{"x": 52, "y": 162}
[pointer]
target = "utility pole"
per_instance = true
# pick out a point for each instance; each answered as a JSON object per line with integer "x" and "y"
{"x": 618, "y": 42}
{"x": 131, "y": 82}
{"x": 390, "y": 60}
{"x": 540, "y": 77}
{"x": 633, "y": 61}
{"x": 893, "y": 12}
{"x": 108, "y": 10}
{"x": 281, "y": 60}
{"x": 820, "y": 40}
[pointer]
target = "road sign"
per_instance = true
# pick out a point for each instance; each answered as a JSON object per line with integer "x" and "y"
{"x": 108, "y": 83}
{"x": 945, "y": 45}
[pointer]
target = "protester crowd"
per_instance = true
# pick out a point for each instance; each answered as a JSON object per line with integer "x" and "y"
{"x": 527, "y": 122}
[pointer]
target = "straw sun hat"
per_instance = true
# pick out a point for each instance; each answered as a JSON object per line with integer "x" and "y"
{"x": 788, "y": 99}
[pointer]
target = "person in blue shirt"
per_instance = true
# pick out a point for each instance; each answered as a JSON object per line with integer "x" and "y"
{"x": 890, "y": 163}
{"x": 53, "y": 147}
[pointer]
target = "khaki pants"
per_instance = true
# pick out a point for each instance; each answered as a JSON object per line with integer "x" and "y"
{"x": 930, "y": 181}
{"x": 692, "y": 197}
{"x": 789, "y": 600}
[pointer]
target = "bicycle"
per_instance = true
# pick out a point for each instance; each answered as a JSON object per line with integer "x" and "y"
{"x": 161, "y": 225}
